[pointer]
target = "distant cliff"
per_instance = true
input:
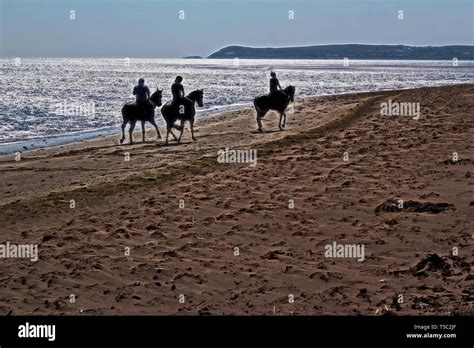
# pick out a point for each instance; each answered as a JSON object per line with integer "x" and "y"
{"x": 351, "y": 51}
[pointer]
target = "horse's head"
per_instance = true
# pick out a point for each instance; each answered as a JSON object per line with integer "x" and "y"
{"x": 156, "y": 97}
{"x": 290, "y": 91}
{"x": 197, "y": 96}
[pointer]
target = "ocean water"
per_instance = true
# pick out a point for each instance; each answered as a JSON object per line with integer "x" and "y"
{"x": 66, "y": 98}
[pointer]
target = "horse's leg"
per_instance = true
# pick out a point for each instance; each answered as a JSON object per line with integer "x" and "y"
{"x": 257, "y": 109}
{"x": 280, "y": 123}
{"x": 153, "y": 123}
{"x": 130, "y": 131}
{"x": 259, "y": 121}
{"x": 192, "y": 129}
{"x": 123, "y": 131}
{"x": 284, "y": 119}
{"x": 181, "y": 132}
{"x": 174, "y": 135}
{"x": 168, "y": 131}
{"x": 143, "y": 131}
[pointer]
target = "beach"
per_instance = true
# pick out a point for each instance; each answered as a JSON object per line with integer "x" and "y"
{"x": 154, "y": 229}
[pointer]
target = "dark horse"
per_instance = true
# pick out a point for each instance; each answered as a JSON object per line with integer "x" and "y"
{"x": 184, "y": 111}
{"x": 133, "y": 113}
{"x": 278, "y": 102}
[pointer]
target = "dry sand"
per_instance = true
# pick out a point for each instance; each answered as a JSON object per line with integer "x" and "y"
{"x": 134, "y": 204}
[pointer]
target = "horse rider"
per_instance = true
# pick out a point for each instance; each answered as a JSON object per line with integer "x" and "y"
{"x": 275, "y": 87}
{"x": 142, "y": 94}
{"x": 177, "y": 90}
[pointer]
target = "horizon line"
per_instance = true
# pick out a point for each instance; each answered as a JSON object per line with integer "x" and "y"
{"x": 243, "y": 45}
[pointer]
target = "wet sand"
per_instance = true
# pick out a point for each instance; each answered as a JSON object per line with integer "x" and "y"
{"x": 336, "y": 174}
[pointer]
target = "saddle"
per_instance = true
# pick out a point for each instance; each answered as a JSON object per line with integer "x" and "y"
{"x": 142, "y": 107}
{"x": 277, "y": 93}
{"x": 277, "y": 98}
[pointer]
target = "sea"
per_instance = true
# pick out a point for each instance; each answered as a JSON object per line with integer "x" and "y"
{"x": 53, "y": 101}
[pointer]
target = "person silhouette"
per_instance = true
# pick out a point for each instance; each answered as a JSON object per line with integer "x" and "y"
{"x": 274, "y": 83}
{"x": 177, "y": 90}
{"x": 142, "y": 94}
{"x": 276, "y": 92}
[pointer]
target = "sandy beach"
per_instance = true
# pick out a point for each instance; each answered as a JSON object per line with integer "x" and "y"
{"x": 155, "y": 229}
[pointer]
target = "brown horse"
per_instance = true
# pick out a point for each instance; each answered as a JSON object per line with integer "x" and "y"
{"x": 132, "y": 113}
{"x": 278, "y": 102}
{"x": 183, "y": 111}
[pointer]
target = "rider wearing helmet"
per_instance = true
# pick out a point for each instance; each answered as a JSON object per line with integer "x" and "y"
{"x": 177, "y": 90}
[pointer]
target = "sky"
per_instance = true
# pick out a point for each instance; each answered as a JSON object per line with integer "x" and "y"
{"x": 177, "y": 28}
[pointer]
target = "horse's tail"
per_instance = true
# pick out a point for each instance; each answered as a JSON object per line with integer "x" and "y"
{"x": 164, "y": 113}
{"x": 124, "y": 112}
{"x": 255, "y": 104}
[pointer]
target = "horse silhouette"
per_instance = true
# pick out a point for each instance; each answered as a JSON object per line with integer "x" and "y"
{"x": 278, "y": 102}
{"x": 183, "y": 111}
{"x": 132, "y": 113}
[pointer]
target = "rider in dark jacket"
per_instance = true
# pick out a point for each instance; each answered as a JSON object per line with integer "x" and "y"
{"x": 141, "y": 92}
{"x": 276, "y": 92}
{"x": 274, "y": 83}
{"x": 177, "y": 90}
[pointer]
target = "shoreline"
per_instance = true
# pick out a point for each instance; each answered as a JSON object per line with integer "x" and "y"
{"x": 43, "y": 143}
{"x": 46, "y": 142}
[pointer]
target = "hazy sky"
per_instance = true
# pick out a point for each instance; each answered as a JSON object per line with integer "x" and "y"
{"x": 153, "y": 28}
